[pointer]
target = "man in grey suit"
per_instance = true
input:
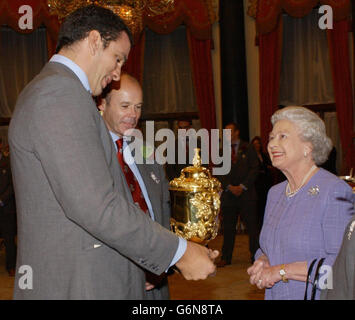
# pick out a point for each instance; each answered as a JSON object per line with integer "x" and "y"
{"x": 121, "y": 109}
{"x": 80, "y": 236}
{"x": 343, "y": 274}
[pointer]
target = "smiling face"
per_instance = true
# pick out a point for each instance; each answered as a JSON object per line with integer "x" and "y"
{"x": 285, "y": 147}
{"x": 122, "y": 108}
{"x": 108, "y": 62}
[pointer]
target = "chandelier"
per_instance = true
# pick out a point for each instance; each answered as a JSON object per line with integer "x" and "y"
{"x": 131, "y": 11}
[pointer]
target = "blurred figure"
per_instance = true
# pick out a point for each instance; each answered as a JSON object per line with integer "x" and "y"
{"x": 239, "y": 195}
{"x": 7, "y": 210}
{"x": 173, "y": 170}
{"x": 264, "y": 180}
{"x": 331, "y": 162}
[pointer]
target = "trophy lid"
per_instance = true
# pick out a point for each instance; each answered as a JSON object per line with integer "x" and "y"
{"x": 195, "y": 178}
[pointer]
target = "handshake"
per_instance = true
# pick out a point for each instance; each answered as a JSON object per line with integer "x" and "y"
{"x": 197, "y": 263}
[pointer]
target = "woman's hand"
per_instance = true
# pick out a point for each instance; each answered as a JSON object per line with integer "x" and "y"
{"x": 236, "y": 190}
{"x": 255, "y": 271}
{"x": 268, "y": 277}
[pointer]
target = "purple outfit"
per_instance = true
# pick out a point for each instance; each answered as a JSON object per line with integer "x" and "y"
{"x": 309, "y": 225}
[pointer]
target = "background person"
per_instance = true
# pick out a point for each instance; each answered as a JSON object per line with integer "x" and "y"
{"x": 263, "y": 181}
{"x": 239, "y": 195}
{"x": 173, "y": 170}
{"x": 343, "y": 272}
{"x": 7, "y": 210}
{"x": 305, "y": 215}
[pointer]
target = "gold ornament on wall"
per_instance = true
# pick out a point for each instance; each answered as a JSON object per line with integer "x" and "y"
{"x": 252, "y": 7}
{"x": 130, "y": 11}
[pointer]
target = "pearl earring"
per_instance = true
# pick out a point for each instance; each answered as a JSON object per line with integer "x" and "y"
{"x": 305, "y": 154}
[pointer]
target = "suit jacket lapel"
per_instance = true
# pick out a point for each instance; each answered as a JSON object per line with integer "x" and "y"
{"x": 112, "y": 161}
{"x": 146, "y": 172}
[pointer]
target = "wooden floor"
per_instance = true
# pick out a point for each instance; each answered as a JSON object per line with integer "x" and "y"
{"x": 230, "y": 282}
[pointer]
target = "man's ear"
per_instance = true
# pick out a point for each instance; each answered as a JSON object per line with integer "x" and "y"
{"x": 102, "y": 106}
{"x": 94, "y": 41}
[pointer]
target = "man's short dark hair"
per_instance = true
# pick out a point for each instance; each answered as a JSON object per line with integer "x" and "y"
{"x": 80, "y": 22}
{"x": 234, "y": 124}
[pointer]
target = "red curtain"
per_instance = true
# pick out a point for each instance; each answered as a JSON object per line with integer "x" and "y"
{"x": 135, "y": 63}
{"x": 10, "y": 16}
{"x": 268, "y": 11}
{"x": 201, "y": 64}
{"x": 197, "y": 15}
{"x": 270, "y": 55}
{"x": 270, "y": 42}
{"x": 338, "y": 39}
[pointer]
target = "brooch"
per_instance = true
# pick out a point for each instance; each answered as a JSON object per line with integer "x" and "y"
{"x": 154, "y": 177}
{"x": 313, "y": 191}
{"x": 351, "y": 229}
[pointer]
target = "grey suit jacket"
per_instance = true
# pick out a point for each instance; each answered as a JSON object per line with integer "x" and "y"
{"x": 343, "y": 279}
{"x": 157, "y": 187}
{"x": 78, "y": 228}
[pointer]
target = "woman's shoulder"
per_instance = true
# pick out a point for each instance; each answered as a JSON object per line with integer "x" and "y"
{"x": 277, "y": 188}
{"x": 333, "y": 184}
{"x": 329, "y": 178}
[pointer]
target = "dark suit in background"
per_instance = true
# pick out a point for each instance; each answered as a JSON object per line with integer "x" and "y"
{"x": 7, "y": 212}
{"x": 263, "y": 183}
{"x": 244, "y": 172}
{"x": 173, "y": 170}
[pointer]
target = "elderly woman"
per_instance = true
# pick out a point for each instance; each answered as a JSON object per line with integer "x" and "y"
{"x": 306, "y": 215}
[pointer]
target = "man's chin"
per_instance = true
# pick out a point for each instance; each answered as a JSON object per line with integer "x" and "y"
{"x": 132, "y": 131}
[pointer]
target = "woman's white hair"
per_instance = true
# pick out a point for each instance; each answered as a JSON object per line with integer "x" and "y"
{"x": 311, "y": 127}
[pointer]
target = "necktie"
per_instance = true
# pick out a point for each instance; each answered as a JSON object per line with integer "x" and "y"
{"x": 234, "y": 154}
{"x": 131, "y": 180}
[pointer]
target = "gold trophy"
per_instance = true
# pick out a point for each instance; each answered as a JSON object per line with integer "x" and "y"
{"x": 195, "y": 203}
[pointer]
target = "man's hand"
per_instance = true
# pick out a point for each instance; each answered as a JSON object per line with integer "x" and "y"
{"x": 236, "y": 190}
{"x": 197, "y": 263}
{"x": 149, "y": 286}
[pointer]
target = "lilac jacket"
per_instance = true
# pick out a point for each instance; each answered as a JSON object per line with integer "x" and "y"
{"x": 304, "y": 227}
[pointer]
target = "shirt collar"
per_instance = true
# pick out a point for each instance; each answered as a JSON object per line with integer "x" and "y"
{"x": 236, "y": 143}
{"x": 73, "y": 67}
{"x": 115, "y": 137}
